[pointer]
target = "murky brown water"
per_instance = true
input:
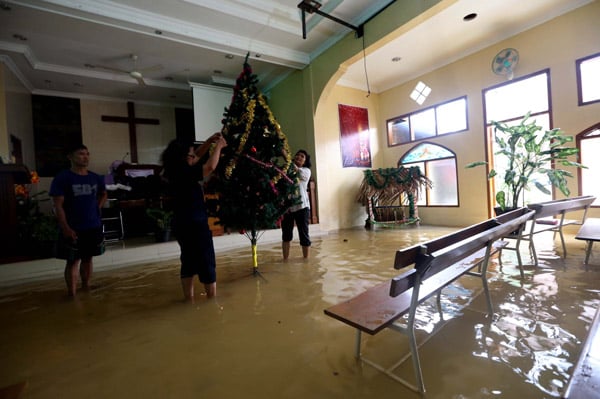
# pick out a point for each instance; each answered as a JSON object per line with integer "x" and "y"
{"x": 267, "y": 337}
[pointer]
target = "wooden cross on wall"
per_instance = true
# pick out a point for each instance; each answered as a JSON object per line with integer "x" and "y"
{"x": 132, "y": 121}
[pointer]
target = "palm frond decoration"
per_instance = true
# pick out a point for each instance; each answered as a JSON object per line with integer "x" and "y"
{"x": 390, "y": 187}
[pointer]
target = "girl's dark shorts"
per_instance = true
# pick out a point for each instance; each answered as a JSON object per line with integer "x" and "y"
{"x": 197, "y": 251}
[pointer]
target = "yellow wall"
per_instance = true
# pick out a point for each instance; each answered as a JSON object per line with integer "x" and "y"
{"x": 338, "y": 186}
{"x": 110, "y": 141}
{"x": 555, "y": 45}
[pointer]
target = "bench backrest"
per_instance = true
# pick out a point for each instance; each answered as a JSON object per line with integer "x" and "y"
{"x": 560, "y": 207}
{"x": 435, "y": 255}
{"x": 434, "y": 262}
{"x": 407, "y": 256}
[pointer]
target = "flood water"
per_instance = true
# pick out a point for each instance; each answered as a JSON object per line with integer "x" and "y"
{"x": 266, "y": 336}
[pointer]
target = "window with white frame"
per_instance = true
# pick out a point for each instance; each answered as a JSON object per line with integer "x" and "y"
{"x": 439, "y": 165}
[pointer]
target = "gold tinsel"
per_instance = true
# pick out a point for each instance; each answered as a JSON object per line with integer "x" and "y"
{"x": 248, "y": 117}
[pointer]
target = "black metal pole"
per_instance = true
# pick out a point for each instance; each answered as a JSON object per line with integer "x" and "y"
{"x": 303, "y": 24}
{"x": 339, "y": 21}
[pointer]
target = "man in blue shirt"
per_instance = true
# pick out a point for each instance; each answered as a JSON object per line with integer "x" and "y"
{"x": 78, "y": 196}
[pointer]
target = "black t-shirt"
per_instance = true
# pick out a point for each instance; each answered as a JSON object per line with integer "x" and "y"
{"x": 185, "y": 185}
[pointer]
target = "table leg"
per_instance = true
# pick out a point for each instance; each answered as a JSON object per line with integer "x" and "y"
{"x": 588, "y": 251}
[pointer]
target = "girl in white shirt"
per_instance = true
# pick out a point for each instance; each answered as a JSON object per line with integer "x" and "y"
{"x": 298, "y": 213}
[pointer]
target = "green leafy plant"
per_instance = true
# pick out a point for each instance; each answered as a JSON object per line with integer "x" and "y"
{"x": 161, "y": 217}
{"x": 34, "y": 225}
{"x": 44, "y": 228}
{"x": 529, "y": 154}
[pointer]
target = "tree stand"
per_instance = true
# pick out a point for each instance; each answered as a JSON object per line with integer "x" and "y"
{"x": 254, "y": 235}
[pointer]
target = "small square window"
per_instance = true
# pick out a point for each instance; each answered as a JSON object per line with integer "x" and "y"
{"x": 420, "y": 93}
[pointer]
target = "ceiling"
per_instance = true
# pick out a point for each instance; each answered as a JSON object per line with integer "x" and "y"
{"x": 72, "y": 48}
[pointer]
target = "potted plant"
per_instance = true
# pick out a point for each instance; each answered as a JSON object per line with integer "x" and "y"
{"x": 44, "y": 233}
{"x": 528, "y": 155}
{"x": 162, "y": 222}
{"x": 37, "y": 231}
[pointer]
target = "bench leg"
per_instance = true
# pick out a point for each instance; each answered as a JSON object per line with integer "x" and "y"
{"x": 414, "y": 351}
{"x": 488, "y": 297}
{"x": 519, "y": 259}
{"x": 438, "y": 301}
{"x": 484, "y": 267}
{"x": 532, "y": 251}
{"x": 562, "y": 241}
{"x": 357, "y": 344}
{"x": 588, "y": 251}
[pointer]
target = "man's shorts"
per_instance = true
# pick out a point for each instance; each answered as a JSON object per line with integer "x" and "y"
{"x": 89, "y": 243}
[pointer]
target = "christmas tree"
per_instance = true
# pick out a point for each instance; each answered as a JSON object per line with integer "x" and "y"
{"x": 254, "y": 180}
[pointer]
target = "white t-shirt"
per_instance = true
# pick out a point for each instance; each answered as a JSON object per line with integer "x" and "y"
{"x": 303, "y": 178}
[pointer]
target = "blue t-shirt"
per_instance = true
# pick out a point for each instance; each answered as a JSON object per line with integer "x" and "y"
{"x": 81, "y": 198}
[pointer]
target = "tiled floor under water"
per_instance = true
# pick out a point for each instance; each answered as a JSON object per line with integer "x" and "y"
{"x": 267, "y": 337}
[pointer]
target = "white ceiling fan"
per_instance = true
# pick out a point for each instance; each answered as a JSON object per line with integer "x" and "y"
{"x": 136, "y": 72}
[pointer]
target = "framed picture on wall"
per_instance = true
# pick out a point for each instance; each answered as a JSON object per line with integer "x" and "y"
{"x": 354, "y": 136}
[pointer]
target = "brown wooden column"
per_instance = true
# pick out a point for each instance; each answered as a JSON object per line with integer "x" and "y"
{"x": 312, "y": 196}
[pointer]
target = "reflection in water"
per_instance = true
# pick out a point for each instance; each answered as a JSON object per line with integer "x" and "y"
{"x": 528, "y": 334}
{"x": 132, "y": 336}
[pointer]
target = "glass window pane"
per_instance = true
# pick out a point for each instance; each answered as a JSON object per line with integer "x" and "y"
{"x": 590, "y": 79}
{"x": 515, "y": 99}
{"x": 423, "y": 124}
{"x": 589, "y": 177}
{"x": 424, "y": 152}
{"x": 421, "y": 195}
{"x": 398, "y": 131}
{"x": 533, "y": 195}
{"x": 443, "y": 176}
{"x": 452, "y": 117}
{"x": 442, "y": 173}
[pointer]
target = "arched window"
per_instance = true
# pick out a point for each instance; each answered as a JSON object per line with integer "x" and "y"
{"x": 439, "y": 165}
{"x": 588, "y": 143}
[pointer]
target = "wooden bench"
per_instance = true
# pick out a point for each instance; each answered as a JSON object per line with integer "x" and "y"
{"x": 589, "y": 232}
{"x": 437, "y": 263}
{"x": 550, "y": 216}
